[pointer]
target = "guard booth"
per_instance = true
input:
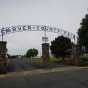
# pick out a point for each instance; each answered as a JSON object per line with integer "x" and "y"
{"x": 3, "y": 58}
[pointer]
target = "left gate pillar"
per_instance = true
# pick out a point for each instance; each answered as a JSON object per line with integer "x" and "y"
{"x": 3, "y": 59}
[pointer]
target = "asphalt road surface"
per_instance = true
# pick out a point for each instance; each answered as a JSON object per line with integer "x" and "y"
{"x": 19, "y": 64}
{"x": 64, "y": 79}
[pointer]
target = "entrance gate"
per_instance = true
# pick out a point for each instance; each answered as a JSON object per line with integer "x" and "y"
{"x": 45, "y": 45}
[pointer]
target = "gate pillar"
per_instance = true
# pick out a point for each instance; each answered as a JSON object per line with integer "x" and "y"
{"x": 75, "y": 55}
{"x": 45, "y": 52}
{"x": 3, "y": 59}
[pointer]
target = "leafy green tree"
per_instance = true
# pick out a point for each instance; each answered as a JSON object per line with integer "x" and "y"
{"x": 83, "y": 34}
{"x": 59, "y": 46}
{"x": 32, "y": 53}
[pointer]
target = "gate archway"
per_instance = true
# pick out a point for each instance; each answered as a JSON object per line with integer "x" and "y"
{"x": 19, "y": 28}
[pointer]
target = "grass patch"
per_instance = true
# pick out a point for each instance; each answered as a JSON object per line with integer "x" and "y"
{"x": 51, "y": 60}
{"x": 54, "y": 60}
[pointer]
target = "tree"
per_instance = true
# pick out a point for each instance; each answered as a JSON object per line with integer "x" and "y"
{"x": 32, "y": 53}
{"x": 83, "y": 34}
{"x": 60, "y": 45}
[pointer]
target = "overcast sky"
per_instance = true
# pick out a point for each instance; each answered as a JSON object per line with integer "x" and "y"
{"x": 65, "y": 14}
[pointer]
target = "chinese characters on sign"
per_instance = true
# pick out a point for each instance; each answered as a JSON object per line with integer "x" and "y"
{"x": 11, "y": 29}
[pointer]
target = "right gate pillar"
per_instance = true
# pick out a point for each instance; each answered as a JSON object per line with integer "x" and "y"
{"x": 75, "y": 55}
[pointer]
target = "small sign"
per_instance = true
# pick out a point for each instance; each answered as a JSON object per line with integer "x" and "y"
{"x": 45, "y": 39}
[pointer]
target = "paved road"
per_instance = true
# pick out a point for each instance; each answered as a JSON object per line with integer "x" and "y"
{"x": 25, "y": 64}
{"x": 63, "y": 79}
{"x": 19, "y": 64}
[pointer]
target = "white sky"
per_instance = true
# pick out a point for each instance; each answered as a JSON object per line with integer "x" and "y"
{"x": 65, "y": 14}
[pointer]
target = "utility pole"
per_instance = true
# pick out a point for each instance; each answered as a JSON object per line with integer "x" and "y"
{"x": 2, "y": 33}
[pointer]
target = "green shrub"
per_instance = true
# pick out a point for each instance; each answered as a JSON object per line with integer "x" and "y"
{"x": 83, "y": 60}
{"x": 3, "y": 69}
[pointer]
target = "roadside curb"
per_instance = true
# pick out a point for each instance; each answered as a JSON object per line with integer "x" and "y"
{"x": 41, "y": 71}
